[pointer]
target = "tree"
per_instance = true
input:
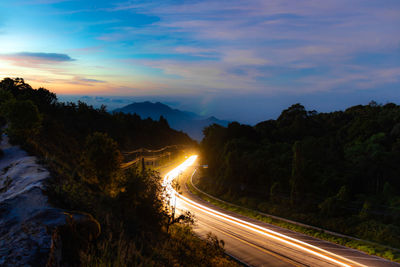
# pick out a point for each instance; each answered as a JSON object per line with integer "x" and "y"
{"x": 5, "y": 96}
{"x": 333, "y": 206}
{"x": 163, "y": 122}
{"x": 294, "y": 112}
{"x": 101, "y": 160}
{"x": 42, "y": 97}
{"x": 297, "y": 180}
{"x": 15, "y": 86}
{"x": 23, "y": 117}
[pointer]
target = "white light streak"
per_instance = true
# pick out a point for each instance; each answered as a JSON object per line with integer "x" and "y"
{"x": 311, "y": 249}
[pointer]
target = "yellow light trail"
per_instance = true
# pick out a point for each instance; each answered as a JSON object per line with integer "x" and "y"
{"x": 169, "y": 177}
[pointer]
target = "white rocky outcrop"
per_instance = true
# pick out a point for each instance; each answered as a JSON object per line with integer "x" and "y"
{"x": 30, "y": 228}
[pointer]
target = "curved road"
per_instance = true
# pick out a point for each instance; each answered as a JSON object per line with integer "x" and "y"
{"x": 255, "y": 243}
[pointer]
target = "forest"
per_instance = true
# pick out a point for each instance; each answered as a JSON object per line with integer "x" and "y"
{"x": 81, "y": 147}
{"x": 339, "y": 170}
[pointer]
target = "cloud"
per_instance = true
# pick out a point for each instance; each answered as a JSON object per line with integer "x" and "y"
{"x": 76, "y": 80}
{"x": 44, "y": 2}
{"x": 31, "y": 59}
{"x": 197, "y": 51}
{"x": 242, "y": 46}
{"x": 49, "y": 57}
{"x": 204, "y": 76}
{"x": 267, "y": 46}
{"x": 89, "y": 49}
{"x": 85, "y": 80}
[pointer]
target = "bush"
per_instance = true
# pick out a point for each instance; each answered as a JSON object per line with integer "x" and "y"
{"x": 263, "y": 207}
{"x": 5, "y": 96}
{"x": 101, "y": 160}
{"x": 23, "y": 117}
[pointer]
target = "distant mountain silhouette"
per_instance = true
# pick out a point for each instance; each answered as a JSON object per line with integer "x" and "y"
{"x": 189, "y": 122}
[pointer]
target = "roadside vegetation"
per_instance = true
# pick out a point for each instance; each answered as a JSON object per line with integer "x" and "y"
{"x": 338, "y": 171}
{"x": 371, "y": 248}
{"x": 81, "y": 147}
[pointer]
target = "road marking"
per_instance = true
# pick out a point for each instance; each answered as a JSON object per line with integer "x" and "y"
{"x": 270, "y": 252}
{"x": 272, "y": 234}
{"x": 322, "y": 253}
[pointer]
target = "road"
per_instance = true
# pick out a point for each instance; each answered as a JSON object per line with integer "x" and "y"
{"x": 255, "y": 243}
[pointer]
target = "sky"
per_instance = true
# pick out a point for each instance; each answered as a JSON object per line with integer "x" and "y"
{"x": 242, "y": 60}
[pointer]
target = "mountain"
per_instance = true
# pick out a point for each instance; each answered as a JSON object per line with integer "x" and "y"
{"x": 189, "y": 122}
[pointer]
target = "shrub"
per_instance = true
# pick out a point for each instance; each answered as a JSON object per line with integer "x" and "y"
{"x": 23, "y": 117}
{"x": 101, "y": 160}
{"x": 263, "y": 207}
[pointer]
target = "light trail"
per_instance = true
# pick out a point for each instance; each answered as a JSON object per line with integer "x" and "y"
{"x": 167, "y": 183}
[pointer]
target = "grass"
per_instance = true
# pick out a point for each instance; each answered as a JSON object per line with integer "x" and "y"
{"x": 365, "y": 246}
{"x": 180, "y": 248}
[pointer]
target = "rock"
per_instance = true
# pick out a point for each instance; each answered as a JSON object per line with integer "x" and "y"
{"x": 32, "y": 232}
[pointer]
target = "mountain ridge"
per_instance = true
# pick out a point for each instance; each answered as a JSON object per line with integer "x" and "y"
{"x": 189, "y": 122}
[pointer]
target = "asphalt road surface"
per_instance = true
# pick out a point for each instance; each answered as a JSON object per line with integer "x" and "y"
{"x": 255, "y": 243}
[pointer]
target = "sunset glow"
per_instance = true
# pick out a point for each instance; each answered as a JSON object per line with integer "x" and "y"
{"x": 260, "y": 53}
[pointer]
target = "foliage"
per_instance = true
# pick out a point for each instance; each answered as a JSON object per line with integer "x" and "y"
{"x": 81, "y": 147}
{"x": 175, "y": 251}
{"x": 336, "y": 170}
{"x": 5, "y": 96}
{"x": 261, "y": 214}
{"x": 23, "y": 118}
{"x": 101, "y": 159}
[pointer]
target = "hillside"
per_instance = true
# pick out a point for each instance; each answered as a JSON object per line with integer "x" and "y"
{"x": 188, "y": 122}
{"x": 80, "y": 146}
{"x": 339, "y": 170}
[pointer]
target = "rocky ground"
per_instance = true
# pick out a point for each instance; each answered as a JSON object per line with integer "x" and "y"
{"x": 32, "y": 232}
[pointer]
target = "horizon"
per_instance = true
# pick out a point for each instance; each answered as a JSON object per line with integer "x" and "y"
{"x": 115, "y": 102}
{"x": 236, "y": 60}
